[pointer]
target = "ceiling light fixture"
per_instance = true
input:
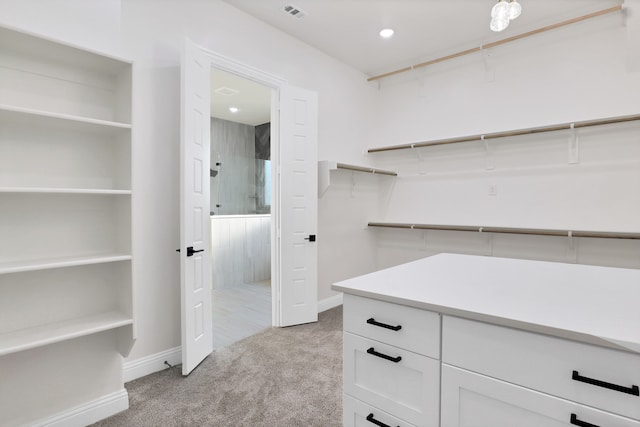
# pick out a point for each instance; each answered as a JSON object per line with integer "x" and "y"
{"x": 502, "y": 13}
{"x": 386, "y": 33}
{"x": 234, "y": 109}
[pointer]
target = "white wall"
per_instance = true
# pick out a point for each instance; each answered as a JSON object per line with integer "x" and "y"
{"x": 151, "y": 32}
{"x": 576, "y": 73}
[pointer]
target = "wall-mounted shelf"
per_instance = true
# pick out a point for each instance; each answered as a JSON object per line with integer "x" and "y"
{"x": 18, "y": 266}
{"x": 70, "y": 121}
{"x": 326, "y": 166}
{"x": 44, "y": 190}
{"x": 518, "y": 132}
{"x": 511, "y": 230}
{"x": 51, "y": 333}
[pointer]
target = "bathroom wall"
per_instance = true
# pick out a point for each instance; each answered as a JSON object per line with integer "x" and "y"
{"x": 240, "y": 239}
{"x": 241, "y": 250}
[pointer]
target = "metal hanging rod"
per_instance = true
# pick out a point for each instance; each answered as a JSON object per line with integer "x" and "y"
{"x": 365, "y": 169}
{"x": 510, "y": 230}
{"x": 551, "y": 128}
{"x": 497, "y": 43}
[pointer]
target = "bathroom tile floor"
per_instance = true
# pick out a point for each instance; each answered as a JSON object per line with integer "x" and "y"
{"x": 240, "y": 311}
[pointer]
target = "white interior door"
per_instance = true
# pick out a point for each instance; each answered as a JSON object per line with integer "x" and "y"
{"x": 298, "y": 218}
{"x": 195, "y": 254}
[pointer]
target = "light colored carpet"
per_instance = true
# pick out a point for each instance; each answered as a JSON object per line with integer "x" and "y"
{"x": 280, "y": 377}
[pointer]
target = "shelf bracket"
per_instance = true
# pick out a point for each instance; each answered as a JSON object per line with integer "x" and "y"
{"x": 416, "y": 150}
{"x": 490, "y": 74}
{"x": 488, "y": 240}
{"x": 573, "y": 146}
{"x": 573, "y": 247}
{"x": 353, "y": 184}
{"x": 491, "y": 164}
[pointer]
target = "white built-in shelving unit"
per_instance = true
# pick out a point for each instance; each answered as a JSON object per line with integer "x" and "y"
{"x": 65, "y": 194}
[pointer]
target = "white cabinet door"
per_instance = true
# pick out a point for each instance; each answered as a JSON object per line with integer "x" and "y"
{"x": 474, "y": 400}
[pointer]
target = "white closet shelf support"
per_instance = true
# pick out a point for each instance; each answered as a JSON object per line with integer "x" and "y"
{"x": 59, "y": 262}
{"x": 511, "y": 230}
{"x": 505, "y": 134}
{"x": 326, "y": 166}
{"x": 26, "y": 339}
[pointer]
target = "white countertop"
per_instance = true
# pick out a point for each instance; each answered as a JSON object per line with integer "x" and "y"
{"x": 598, "y": 305}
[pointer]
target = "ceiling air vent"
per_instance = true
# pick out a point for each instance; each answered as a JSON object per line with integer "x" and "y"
{"x": 294, "y": 11}
{"x": 226, "y": 91}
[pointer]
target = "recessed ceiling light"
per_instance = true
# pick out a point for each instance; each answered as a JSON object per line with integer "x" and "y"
{"x": 386, "y": 33}
{"x": 234, "y": 109}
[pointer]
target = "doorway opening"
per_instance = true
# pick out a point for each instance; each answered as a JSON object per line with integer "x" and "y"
{"x": 240, "y": 197}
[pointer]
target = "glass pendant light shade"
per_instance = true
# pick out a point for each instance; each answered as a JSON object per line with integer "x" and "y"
{"x": 514, "y": 9}
{"x": 500, "y": 9}
{"x": 498, "y": 24}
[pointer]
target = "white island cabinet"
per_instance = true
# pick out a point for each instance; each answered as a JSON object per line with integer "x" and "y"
{"x": 473, "y": 341}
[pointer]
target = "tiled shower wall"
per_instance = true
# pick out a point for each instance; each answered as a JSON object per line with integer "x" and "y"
{"x": 233, "y": 190}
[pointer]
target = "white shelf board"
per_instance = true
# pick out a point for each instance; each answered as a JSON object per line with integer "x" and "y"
{"x": 29, "y": 338}
{"x": 326, "y": 166}
{"x": 43, "y": 190}
{"x": 67, "y": 121}
{"x": 59, "y": 262}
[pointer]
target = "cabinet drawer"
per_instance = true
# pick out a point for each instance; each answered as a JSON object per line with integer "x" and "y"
{"x": 358, "y": 414}
{"x": 398, "y": 325}
{"x": 402, "y": 383}
{"x": 474, "y": 400}
{"x": 545, "y": 363}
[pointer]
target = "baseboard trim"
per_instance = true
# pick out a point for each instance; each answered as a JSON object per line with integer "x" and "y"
{"x": 143, "y": 366}
{"x": 329, "y": 303}
{"x": 90, "y": 412}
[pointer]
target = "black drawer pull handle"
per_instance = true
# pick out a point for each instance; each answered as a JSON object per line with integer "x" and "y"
{"x": 376, "y": 422}
{"x": 576, "y": 422}
{"x": 384, "y": 356}
{"x": 372, "y": 321}
{"x": 629, "y": 390}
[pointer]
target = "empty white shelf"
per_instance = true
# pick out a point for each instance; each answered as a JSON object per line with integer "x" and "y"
{"x": 38, "y": 336}
{"x": 59, "y": 262}
{"x": 67, "y": 121}
{"x": 43, "y": 190}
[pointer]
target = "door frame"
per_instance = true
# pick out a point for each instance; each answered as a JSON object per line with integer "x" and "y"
{"x": 232, "y": 66}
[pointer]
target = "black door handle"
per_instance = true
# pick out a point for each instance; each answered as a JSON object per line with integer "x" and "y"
{"x": 634, "y": 389}
{"x": 190, "y": 251}
{"x": 311, "y": 238}
{"x": 576, "y": 422}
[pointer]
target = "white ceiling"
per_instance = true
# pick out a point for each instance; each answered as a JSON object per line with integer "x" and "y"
{"x": 253, "y": 100}
{"x": 424, "y": 29}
